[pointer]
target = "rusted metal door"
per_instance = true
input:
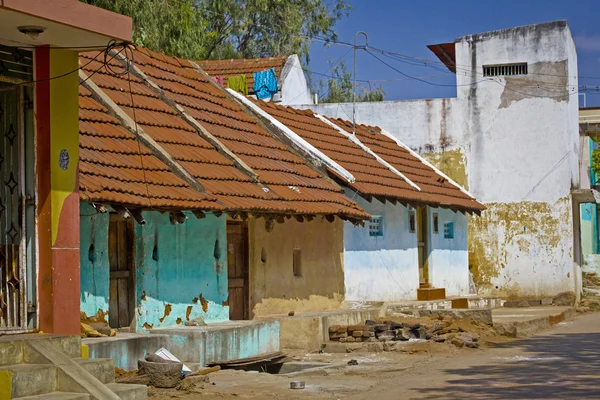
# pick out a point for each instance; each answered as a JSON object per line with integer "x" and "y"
{"x": 120, "y": 254}
{"x": 423, "y": 246}
{"x": 13, "y": 254}
{"x": 237, "y": 269}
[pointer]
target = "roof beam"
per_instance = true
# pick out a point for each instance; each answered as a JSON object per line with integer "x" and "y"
{"x": 126, "y": 121}
{"x": 308, "y": 148}
{"x": 200, "y": 129}
{"x": 356, "y": 141}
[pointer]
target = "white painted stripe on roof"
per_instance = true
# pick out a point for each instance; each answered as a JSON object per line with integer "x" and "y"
{"x": 424, "y": 161}
{"x": 356, "y": 141}
{"x": 309, "y": 148}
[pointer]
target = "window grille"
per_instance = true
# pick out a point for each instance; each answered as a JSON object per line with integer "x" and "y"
{"x": 505, "y": 69}
{"x": 436, "y": 228}
{"x": 376, "y": 226}
{"x": 448, "y": 230}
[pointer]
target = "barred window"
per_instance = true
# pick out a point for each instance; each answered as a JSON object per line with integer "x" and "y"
{"x": 376, "y": 226}
{"x": 505, "y": 69}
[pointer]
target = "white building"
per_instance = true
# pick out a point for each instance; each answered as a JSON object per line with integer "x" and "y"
{"x": 511, "y": 137}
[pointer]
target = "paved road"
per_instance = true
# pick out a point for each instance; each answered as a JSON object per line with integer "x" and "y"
{"x": 561, "y": 363}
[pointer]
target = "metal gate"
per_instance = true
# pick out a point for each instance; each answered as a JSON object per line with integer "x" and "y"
{"x": 13, "y": 258}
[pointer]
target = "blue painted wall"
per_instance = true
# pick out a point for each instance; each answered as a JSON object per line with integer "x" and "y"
{"x": 378, "y": 268}
{"x": 449, "y": 258}
{"x": 178, "y": 276}
{"x": 94, "y": 266}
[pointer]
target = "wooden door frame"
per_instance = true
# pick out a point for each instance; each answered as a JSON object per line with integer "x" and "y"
{"x": 246, "y": 245}
{"x": 131, "y": 263}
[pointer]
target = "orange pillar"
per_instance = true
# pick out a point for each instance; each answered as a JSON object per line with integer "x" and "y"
{"x": 57, "y": 155}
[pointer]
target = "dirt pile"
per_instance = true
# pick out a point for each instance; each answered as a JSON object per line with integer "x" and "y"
{"x": 459, "y": 332}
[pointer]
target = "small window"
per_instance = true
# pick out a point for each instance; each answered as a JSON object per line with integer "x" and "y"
{"x": 297, "y": 263}
{"x": 376, "y": 226}
{"x": 448, "y": 230}
{"x": 436, "y": 227}
{"x": 505, "y": 69}
{"x": 412, "y": 223}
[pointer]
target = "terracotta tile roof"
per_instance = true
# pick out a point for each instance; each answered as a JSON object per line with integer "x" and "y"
{"x": 286, "y": 174}
{"x": 110, "y": 166}
{"x": 243, "y": 66}
{"x": 287, "y": 185}
{"x": 373, "y": 178}
{"x": 432, "y": 184}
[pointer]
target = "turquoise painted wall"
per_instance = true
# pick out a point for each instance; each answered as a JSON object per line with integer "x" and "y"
{"x": 181, "y": 270}
{"x": 178, "y": 275}
{"x": 93, "y": 261}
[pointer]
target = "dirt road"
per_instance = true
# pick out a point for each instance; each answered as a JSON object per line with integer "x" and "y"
{"x": 563, "y": 362}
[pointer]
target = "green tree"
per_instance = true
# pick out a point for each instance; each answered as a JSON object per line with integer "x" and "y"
{"x": 339, "y": 87}
{"x": 214, "y": 29}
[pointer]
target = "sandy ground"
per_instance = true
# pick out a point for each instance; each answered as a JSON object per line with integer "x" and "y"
{"x": 563, "y": 362}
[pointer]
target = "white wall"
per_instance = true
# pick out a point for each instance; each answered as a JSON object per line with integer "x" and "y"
{"x": 385, "y": 267}
{"x": 520, "y": 139}
{"x": 294, "y": 86}
{"x": 449, "y": 258}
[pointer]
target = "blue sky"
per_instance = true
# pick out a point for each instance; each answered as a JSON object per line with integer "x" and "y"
{"x": 407, "y": 27}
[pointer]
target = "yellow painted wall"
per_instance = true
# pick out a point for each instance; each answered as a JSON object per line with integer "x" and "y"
{"x": 64, "y": 125}
{"x": 273, "y": 287}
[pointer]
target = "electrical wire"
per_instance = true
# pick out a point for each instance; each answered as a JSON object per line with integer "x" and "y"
{"x": 110, "y": 46}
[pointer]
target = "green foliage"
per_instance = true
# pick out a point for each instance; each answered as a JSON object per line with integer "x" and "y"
{"x": 596, "y": 161}
{"x": 216, "y": 29}
{"x": 339, "y": 88}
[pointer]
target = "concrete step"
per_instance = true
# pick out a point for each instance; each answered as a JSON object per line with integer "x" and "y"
{"x": 102, "y": 368}
{"x": 28, "y": 379}
{"x": 13, "y": 350}
{"x": 127, "y": 391}
{"x": 425, "y": 294}
{"x": 57, "y": 396}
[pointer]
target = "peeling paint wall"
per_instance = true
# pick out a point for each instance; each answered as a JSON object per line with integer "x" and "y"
{"x": 94, "y": 265}
{"x": 493, "y": 125}
{"x": 380, "y": 268}
{"x": 274, "y": 289}
{"x": 178, "y": 277}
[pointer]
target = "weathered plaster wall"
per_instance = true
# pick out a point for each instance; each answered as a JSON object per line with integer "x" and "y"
{"x": 449, "y": 258}
{"x": 381, "y": 268}
{"x": 294, "y": 87}
{"x": 178, "y": 276}
{"x": 494, "y": 124}
{"x": 94, "y": 262}
{"x": 523, "y": 249}
{"x": 273, "y": 287}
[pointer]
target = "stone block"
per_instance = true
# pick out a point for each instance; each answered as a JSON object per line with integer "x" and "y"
{"x": 161, "y": 374}
{"x": 564, "y": 299}
{"x": 350, "y": 339}
{"x": 547, "y": 301}
{"x": 333, "y": 328}
{"x": 353, "y": 328}
{"x": 357, "y": 334}
{"x": 367, "y": 334}
{"x": 372, "y": 347}
{"x": 338, "y": 336}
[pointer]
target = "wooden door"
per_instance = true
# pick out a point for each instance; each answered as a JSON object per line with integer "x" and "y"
{"x": 422, "y": 246}
{"x": 237, "y": 269}
{"x": 120, "y": 252}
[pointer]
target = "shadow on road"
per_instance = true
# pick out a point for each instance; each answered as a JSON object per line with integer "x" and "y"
{"x": 557, "y": 366}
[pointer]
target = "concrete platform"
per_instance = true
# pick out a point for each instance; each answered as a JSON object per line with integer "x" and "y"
{"x": 471, "y": 302}
{"x": 308, "y": 331}
{"x": 523, "y": 322}
{"x": 194, "y": 345}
